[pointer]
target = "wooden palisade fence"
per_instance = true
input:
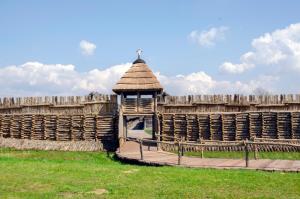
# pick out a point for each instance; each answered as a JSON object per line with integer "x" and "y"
{"x": 67, "y": 118}
{"x": 228, "y": 103}
{"x": 231, "y": 126}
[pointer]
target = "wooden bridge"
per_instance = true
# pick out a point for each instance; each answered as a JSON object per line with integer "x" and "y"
{"x": 147, "y": 152}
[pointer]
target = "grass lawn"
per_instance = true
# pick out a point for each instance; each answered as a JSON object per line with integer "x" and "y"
{"x": 148, "y": 131}
{"x": 240, "y": 155}
{"x": 52, "y": 174}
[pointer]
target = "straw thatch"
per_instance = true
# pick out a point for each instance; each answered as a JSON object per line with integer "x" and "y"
{"x": 138, "y": 78}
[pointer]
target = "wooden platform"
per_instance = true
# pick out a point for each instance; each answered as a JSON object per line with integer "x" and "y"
{"x": 130, "y": 152}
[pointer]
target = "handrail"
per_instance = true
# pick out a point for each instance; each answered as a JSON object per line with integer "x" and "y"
{"x": 256, "y": 138}
{"x": 216, "y": 144}
{"x": 180, "y": 145}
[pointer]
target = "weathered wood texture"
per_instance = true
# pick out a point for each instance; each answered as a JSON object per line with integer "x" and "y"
{"x": 224, "y": 147}
{"x": 230, "y": 126}
{"x": 88, "y": 127}
{"x": 132, "y": 151}
{"x": 66, "y": 105}
{"x": 134, "y": 105}
{"x": 228, "y": 103}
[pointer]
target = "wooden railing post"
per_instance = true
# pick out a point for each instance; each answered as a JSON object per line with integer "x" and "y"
{"x": 179, "y": 153}
{"x": 202, "y": 152}
{"x": 246, "y": 153}
{"x": 158, "y": 142}
{"x": 182, "y": 148}
{"x": 255, "y": 152}
{"x": 120, "y": 144}
{"x": 141, "y": 149}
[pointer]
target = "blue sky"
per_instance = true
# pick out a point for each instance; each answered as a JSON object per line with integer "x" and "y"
{"x": 50, "y": 32}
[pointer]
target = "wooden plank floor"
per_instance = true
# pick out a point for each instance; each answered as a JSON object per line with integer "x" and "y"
{"x": 130, "y": 152}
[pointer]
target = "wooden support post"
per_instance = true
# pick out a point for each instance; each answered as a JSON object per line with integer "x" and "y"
{"x": 158, "y": 143}
{"x": 120, "y": 144}
{"x": 255, "y": 152}
{"x": 153, "y": 125}
{"x": 138, "y": 102}
{"x": 125, "y": 126}
{"x": 179, "y": 153}
{"x": 202, "y": 152}
{"x": 182, "y": 148}
{"x": 158, "y": 138}
{"x": 246, "y": 153}
{"x": 141, "y": 149}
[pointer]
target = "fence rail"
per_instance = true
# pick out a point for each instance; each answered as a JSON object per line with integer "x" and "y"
{"x": 247, "y": 145}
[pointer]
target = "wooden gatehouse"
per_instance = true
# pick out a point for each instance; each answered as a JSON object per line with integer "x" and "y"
{"x": 138, "y": 89}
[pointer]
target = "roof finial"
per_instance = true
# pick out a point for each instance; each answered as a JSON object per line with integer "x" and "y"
{"x": 139, "y": 52}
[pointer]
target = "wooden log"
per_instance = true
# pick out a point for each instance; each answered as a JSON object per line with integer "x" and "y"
{"x": 242, "y": 126}
{"x": 77, "y": 129}
{"x": 255, "y": 120}
{"x": 204, "y": 126}
{"x": 50, "y": 126}
{"x": 284, "y": 125}
{"x": 295, "y": 125}
{"x": 63, "y": 128}
{"x": 192, "y": 127}
{"x": 37, "y": 130}
{"x": 228, "y": 126}
{"x": 89, "y": 127}
{"x": 269, "y": 125}
{"x": 180, "y": 126}
{"x": 5, "y": 127}
{"x": 216, "y": 126}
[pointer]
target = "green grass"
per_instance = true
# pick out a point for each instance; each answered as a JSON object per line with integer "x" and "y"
{"x": 148, "y": 131}
{"x": 51, "y": 174}
{"x": 240, "y": 155}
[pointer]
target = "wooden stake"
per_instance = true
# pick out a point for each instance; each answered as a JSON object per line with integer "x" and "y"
{"x": 255, "y": 152}
{"x": 246, "y": 153}
{"x": 141, "y": 149}
{"x": 179, "y": 153}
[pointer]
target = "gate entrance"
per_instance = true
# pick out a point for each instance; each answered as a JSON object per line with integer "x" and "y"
{"x": 139, "y": 127}
{"x": 137, "y": 90}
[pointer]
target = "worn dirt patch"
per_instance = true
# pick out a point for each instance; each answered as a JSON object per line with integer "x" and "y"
{"x": 67, "y": 195}
{"x": 131, "y": 171}
{"x": 99, "y": 191}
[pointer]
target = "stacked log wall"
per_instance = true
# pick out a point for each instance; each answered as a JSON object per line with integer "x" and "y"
{"x": 230, "y": 126}
{"x": 91, "y": 127}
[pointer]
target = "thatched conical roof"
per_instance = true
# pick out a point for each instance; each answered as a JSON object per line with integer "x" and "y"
{"x": 139, "y": 77}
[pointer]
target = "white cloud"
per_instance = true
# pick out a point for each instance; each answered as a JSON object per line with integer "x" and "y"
{"x": 278, "y": 50}
{"x": 87, "y": 48}
{"x": 202, "y": 83}
{"x": 229, "y": 67}
{"x": 208, "y": 38}
{"x": 35, "y": 78}
{"x": 274, "y": 61}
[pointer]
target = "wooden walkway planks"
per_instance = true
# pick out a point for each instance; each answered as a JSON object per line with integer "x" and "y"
{"x": 130, "y": 152}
